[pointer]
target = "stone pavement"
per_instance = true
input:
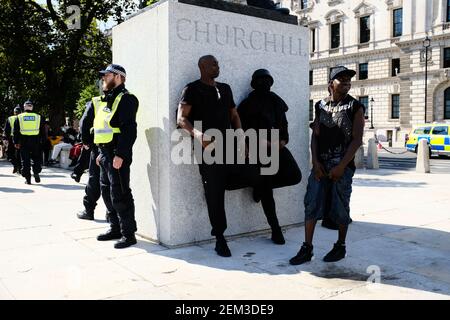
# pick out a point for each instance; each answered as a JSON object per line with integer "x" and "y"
{"x": 401, "y": 232}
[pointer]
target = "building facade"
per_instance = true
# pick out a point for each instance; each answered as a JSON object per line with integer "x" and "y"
{"x": 383, "y": 40}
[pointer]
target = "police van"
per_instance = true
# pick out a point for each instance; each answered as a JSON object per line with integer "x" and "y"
{"x": 437, "y": 135}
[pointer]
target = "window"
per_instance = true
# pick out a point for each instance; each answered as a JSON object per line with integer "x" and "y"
{"x": 313, "y": 40}
{"x": 448, "y": 10}
{"x": 447, "y": 104}
{"x": 397, "y": 22}
{"x": 365, "y": 101}
{"x": 335, "y": 35}
{"x": 395, "y": 67}
{"x": 311, "y": 110}
{"x": 447, "y": 57}
{"x": 422, "y": 130}
{"x": 395, "y": 111}
{"x": 442, "y": 131}
{"x": 311, "y": 77}
{"x": 364, "y": 29}
{"x": 363, "y": 71}
{"x": 304, "y": 4}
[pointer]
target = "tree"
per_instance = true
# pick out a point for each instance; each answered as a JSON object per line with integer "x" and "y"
{"x": 49, "y": 53}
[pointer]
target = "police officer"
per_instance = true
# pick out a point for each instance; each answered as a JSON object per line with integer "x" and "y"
{"x": 28, "y": 135}
{"x": 115, "y": 132}
{"x": 12, "y": 153}
{"x": 90, "y": 150}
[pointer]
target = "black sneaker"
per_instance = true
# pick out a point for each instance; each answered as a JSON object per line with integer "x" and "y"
{"x": 85, "y": 215}
{"x": 109, "y": 235}
{"x": 222, "y": 248}
{"x": 304, "y": 255}
{"x": 75, "y": 177}
{"x": 337, "y": 253}
{"x": 277, "y": 236}
{"x": 28, "y": 180}
{"x": 125, "y": 242}
{"x": 37, "y": 178}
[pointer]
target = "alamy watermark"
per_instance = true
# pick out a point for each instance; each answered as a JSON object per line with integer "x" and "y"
{"x": 228, "y": 148}
{"x": 73, "y": 21}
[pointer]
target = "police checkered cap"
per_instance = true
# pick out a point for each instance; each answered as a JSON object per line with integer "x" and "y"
{"x": 114, "y": 68}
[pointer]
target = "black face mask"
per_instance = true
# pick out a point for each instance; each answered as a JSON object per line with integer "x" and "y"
{"x": 262, "y": 84}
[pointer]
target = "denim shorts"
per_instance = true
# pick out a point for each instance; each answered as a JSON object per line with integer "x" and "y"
{"x": 328, "y": 196}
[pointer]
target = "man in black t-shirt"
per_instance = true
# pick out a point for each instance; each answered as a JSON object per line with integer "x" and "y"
{"x": 337, "y": 134}
{"x": 211, "y": 103}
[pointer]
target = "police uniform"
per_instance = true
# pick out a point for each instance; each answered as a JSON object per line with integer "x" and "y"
{"x": 92, "y": 190}
{"x": 28, "y": 133}
{"x": 115, "y": 132}
{"x": 12, "y": 153}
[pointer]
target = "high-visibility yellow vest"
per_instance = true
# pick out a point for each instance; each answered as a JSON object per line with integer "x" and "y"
{"x": 12, "y": 120}
{"x": 29, "y": 123}
{"x": 103, "y": 132}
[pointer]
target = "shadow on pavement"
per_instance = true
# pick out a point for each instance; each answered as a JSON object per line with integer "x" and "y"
{"x": 409, "y": 257}
{"x": 15, "y": 190}
{"x": 377, "y": 183}
{"x": 59, "y": 186}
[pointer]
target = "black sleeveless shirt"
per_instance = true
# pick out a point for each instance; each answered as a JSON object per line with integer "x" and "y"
{"x": 335, "y": 124}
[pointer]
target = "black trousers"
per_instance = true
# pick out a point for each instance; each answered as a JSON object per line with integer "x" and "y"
{"x": 288, "y": 174}
{"x": 217, "y": 178}
{"x": 13, "y": 155}
{"x": 30, "y": 151}
{"x": 116, "y": 192}
{"x": 92, "y": 190}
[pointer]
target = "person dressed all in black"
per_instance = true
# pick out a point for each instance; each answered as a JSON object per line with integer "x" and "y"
{"x": 115, "y": 131}
{"x": 265, "y": 110}
{"x": 88, "y": 158}
{"x": 212, "y": 103}
{"x": 28, "y": 137}
{"x": 12, "y": 153}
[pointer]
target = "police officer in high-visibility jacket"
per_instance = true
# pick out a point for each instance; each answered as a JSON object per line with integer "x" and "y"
{"x": 28, "y": 136}
{"x": 115, "y": 131}
{"x": 12, "y": 153}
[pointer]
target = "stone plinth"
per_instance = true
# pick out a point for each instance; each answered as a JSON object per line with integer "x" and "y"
{"x": 159, "y": 48}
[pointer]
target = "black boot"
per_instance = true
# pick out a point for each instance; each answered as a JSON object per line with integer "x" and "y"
{"x": 277, "y": 236}
{"x": 27, "y": 180}
{"x": 75, "y": 177}
{"x": 222, "y": 247}
{"x": 37, "y": 178}
{"x": 125, "y": 242}
{"x": 86, "y": 215}
{"x": 109, "y": 235}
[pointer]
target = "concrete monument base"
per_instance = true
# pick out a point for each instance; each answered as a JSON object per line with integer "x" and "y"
{"x": 159, "y": 47}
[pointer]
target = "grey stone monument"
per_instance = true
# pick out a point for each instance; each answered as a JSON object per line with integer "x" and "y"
{"x": 160, "y": 47}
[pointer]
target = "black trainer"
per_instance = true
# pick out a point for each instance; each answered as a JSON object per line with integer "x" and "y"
{"x": 125, "y": 242}
{"x": 85, "y": 215}
{"x": 75, "y": 177}
{"x": 109, "y": 235}
{"x": 304, "y": 255}
{"x": 337, "y": 253}
{"x": 37, "y": 178}
{"x": 277, "y": 236}
{"x": 222, "y": 248}
{"x": 28, "y": 180}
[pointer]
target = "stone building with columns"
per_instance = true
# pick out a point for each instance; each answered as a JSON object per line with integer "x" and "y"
{"x": 383, "y": 40}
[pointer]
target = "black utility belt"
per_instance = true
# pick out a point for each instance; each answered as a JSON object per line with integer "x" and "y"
{"x": 106, "y": 145}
